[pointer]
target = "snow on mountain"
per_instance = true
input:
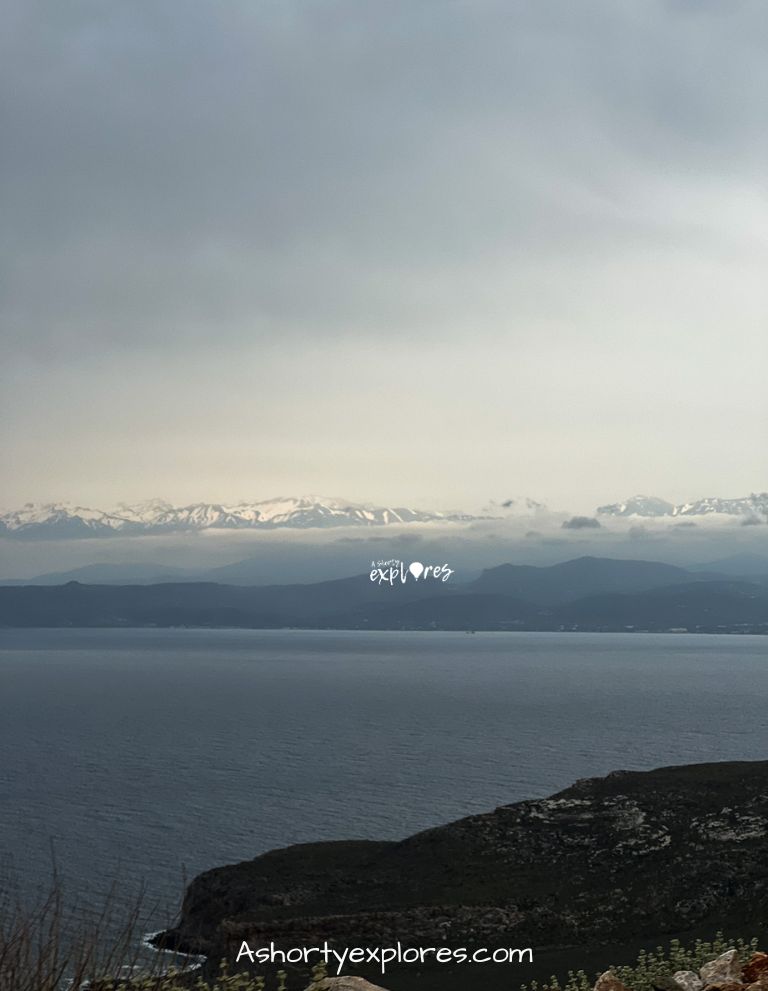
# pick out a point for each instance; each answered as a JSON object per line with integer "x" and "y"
{"x": 754, "y": 506}
{"x": 638, "y": 505}
{"x": 60, "y": 520}
{"x": 65, "y": 521}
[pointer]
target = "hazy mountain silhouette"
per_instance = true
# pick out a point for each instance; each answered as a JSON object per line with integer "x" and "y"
{"x": 587, "y": 593}
{"x": 575, "y": 579}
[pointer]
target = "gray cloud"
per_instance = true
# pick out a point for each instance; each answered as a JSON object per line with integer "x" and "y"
{"x": 317, "y": 555}
{"x": 581, "y": 523}
{"x": 236, "y": 233}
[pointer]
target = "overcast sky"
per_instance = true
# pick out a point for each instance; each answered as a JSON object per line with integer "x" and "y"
{"x": 411, "y": 251}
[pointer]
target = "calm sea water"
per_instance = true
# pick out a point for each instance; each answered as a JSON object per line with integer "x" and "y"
{"x": 145, "y": 756}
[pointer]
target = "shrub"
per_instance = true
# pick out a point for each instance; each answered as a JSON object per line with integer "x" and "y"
{"x": 654, "y": 964}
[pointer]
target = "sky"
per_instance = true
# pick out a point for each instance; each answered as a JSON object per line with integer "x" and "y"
{"x": 429, "y": 253}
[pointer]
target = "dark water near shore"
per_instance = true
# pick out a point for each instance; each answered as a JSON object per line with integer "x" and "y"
{"x": 142, "y": 756}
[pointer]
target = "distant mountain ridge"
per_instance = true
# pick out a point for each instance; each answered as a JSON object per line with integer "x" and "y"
{"x": 570, "y": 580}
{"x": 62, "y": 521}
{"x": 59, "y": 521}
{"x": 584, "y": 594}
{"x": 754, "y": 505}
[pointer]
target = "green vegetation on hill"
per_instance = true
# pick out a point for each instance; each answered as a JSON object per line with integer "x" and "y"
{"x": 652, "y": 968}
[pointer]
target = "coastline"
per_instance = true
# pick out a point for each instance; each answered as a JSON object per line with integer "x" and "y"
{"x": 686, "y": 845}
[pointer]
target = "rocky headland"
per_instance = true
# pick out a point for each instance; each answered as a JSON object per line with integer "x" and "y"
{"x": 598, "y": 870}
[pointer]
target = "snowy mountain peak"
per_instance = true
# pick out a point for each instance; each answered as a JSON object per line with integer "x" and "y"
{"x": 751, "y": 506}
{"x": 61, "y": 520}
{"x": 156, "y": 516}
{"x": 638, "y": 505}
{"x": 755, "y": 505}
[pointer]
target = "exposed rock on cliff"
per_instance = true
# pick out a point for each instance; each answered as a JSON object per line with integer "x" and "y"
{"x": 608, "y": 861}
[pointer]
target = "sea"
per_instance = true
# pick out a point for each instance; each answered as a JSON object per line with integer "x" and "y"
{"x": 132, "y": 760}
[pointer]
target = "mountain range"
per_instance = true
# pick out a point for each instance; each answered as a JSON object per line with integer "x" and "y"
{"x": 65, "y": 521}
{"x": 751, "y": 506}
{"x": 588, "y": 593}
{"x": 61, "y": 520}
{"x": 520, "y": 579}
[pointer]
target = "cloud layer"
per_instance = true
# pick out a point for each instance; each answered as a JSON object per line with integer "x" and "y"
{"x": 411, "y": 251}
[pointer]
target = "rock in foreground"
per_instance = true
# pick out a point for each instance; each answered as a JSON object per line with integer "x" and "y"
{"x": 343, "y": 984}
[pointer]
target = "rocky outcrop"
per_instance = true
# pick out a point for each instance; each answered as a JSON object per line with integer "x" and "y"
{"x": 757, "y": 969}
{"x": 688, "y": 980}
{"x": 609, "y": 861}
{"x": 343, "y": 984}
{"x": 727, "y": 972}
{"x": 725, "y": 969}
{"x": 724, "y": 972}
{"x": 609, "y": 982}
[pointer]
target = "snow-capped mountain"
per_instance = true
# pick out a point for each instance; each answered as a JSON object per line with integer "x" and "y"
{"x": 754, "y": 506}
{"x": 65, "y": 521}
{"x": 61, "y": 520}
{"x": 638, "y": 505}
